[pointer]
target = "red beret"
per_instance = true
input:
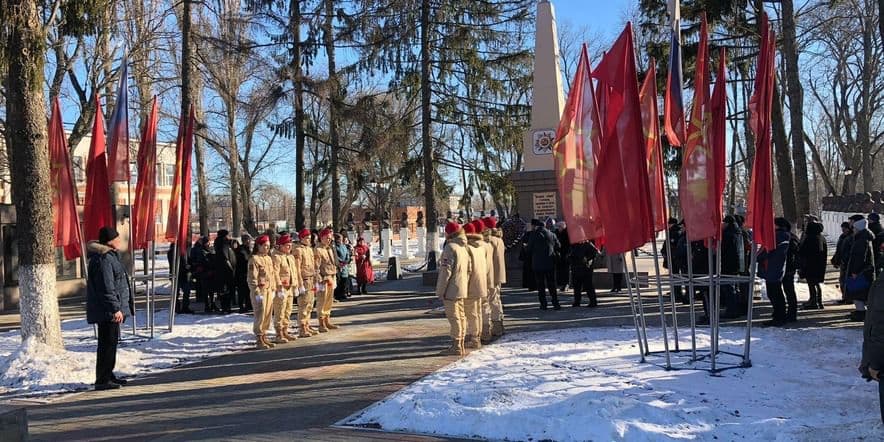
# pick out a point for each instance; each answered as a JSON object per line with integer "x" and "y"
{"x": 480, "y": 227}
{"x": 283, "y": 240}
{"x": 263, "y": 239}
{"x": 304, "y": 233}
{"x": 469, "y": 228}
{"x": 489, "y": 222}
{"x": 325, "y": 232}
{"x": 452, "y": 228}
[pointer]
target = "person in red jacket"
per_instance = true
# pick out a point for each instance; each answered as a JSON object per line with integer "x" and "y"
{"x": 364, "y": 271}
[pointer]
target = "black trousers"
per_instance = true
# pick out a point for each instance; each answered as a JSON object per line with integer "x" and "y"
{"x": 243, "y": 300}
{"x": 791, "y": 297}
{"x": 228, "y": 292}
{"x": 581, "y": 279}
{"x": 546, "y": 280}
{"x": 108, "y": 337}
{"x": 618, "y": 281}
{"x": 184, "y": 288}
{"x": 777, "y": 299}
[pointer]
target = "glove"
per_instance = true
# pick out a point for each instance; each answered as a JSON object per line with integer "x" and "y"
{"x": 259, "y": 299}
{"x": 280, "y": 294}
{"x": 301, "y": 290}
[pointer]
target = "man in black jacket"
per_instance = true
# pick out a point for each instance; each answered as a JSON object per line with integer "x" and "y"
{"x": 873, "y": 341}
{"x": 581, "y": 256}
{"x": 183, "y": 277}
{"x": 839, "y": 260}
{"x": 731, "y": 248}
{"x": 243, "y": 255}
{"x": 107, "y": 303}
{"x": 225, "y": 266}
{"x": 542, "y": 249}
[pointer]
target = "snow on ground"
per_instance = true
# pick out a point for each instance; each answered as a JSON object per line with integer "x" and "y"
{"x": 587, "y": 384}
{"x": 33, "y": 369}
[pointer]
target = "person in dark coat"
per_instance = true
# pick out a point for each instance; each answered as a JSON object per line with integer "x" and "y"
{"x": 107, "y": 303}
{"x": 878, "y": 241}
{"x": 791, "y": 271}
{"x": 839, "y": 260}
{"x": 243, "y": 256}
{"x": 860, "y": 268}
{"x": 700, "y": 266}
{"x": 563, "y": 267}
{"x": 812, "y": 255}
{"x": 183, "y": 278}
{"x": 772, "y": 268}
{"x": 731, "y": 248}
{"x": 200, "y": 267}
{"x": 670, "y": 250}
{"x": 580, "y": 258}
{"x": 528, "y": 281}
{"x": 225, "y": 268}
{"x": 872, "y": 363}
{"x": 541, "y": 251}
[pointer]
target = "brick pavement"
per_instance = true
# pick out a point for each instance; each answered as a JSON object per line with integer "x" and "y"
{"x": 298, "y": 391}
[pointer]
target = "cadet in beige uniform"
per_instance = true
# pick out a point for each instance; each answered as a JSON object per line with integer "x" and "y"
{"x": 306, "y": 262}
{"x": 286, "y": 274}
{"x": 327, "y": 264}
{"x": 484, "y": 235}
{"x": 261, "y": 279}
{"x": 478, "y": 286}
{"x": 452, "y": 285}
{"x": 499, "y": 264}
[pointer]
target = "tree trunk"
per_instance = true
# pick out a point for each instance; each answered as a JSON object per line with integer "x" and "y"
{"x": 245, "y": 191}
{"x": 820, "y": 167}
{"x": 863, "y": 119}
{"x": 426, "y": 136}
{"x": 202, "y": 183}
{"x": 233, "y": 166}
{"x": 783, "y": 159}
{"x": 28, "y": 150}
{"x": 334, "y": 96}
{"x": 298, "y": 79}
{"x": 796, "y": 109}
{"x": 881, "y": 18}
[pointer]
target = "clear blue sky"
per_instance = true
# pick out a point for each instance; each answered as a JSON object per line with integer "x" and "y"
{"x": 605, "y": 16}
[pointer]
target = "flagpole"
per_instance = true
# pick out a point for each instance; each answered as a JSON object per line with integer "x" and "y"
{"x": 672, "y": 289}
{"x": 710, "y": 296}
{"x": 753, "y": 261}
{"x": 638, "y": 333}
{"x": 641, "y": 305}
{"x": 693, "y": 317}
{"x": 660, "y": 300}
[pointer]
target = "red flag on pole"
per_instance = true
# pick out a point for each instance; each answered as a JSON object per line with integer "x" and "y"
{"x": 97, "y": 212}
{"x": 146, "y": 188}
{"x": 179, "y": 203}
{"x": 697, "y": 181}
{"x": 673, "y": 103}
{"x": 118, "y": 145}
{"x": 621, "y": 184}
{"x": 576, "y": 152}
{"x": 717, "y": 138}
{"x": 651, "y": 126}
{"x": 64, "y": 194}
{"x": 759, "y": 214}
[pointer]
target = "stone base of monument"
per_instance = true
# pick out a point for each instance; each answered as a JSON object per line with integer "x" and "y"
{"x": 13, "y": 423}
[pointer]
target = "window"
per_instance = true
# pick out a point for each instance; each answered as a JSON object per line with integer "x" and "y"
{"x": 133, "y": 172}
{"x": 79, "y": 170}
{"x": 168, "y": 176}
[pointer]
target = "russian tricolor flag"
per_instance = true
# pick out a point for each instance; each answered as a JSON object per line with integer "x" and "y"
{"x": 673, "y": 104}
{"x": 118, "y": 141}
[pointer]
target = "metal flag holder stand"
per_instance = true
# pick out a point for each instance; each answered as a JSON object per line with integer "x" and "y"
{"x": 712, "y": 359}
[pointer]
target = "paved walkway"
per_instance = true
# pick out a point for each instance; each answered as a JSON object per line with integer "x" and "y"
{"x": 298, "y": 391}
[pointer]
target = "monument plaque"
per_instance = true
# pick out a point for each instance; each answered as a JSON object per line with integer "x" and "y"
{"x": 545, "y": 205}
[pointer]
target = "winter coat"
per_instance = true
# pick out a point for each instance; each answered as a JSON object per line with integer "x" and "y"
{"x": 772, "y": 264}
{"x": 200, "y": 261}
{"x": 364, "y": 271}
{"x": 615, "y": 263}
{"x": 225, "y": 259}
{"x": 262, "y": 276}
{"x": 542, "y": 249}
{"x": 731, "y": 248}
{"x": 480, "y": 278}
{"x": 243, "y": 256}
{"x": 326, "y": 263}
{"x": 859, "y": 262}
{"x": 107, "y": 286}
{"x": 455, "y": 268}
{"x": 499, "y": 261}
{"x": 581, "y": 256}
{"x": 489, "y": 258}
{"x": 873, "y": 329}
{"x": 287, "y": 275}
{"x": 342, "y": 254}
{"x": 564, "y": 246}
{"x": 306, "y": 260}
{"x": 675, "y": 232}
{"x": 812, "y": 255}
{"x": 842, "y": 251}
{"x": 699, "y": 258}
{"x": 792, "y": 255}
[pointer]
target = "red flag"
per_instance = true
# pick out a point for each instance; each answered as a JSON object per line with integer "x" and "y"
{"x": 759, "y": 214}
{"x": 673, "y": 103}
{"x": 118, "y": 146}
{"x": 717, "y": 137}
{"x": 97, "y": 212}
{"x": 146, "y": 189}
{"x": 64, "y": 194}
{"x": 178, "y": 227}
{"x": 621, "y": 185}
{"x": 575, "y": 149}
{"x": 653, "y": 149}
{"x": 697, "y": 181}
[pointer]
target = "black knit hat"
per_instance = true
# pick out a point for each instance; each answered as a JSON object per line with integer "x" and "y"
{"x": 107, "y": 234}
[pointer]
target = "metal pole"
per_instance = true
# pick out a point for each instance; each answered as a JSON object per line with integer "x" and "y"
{"x": 151, "y": 311}
{"x": 691, "y": 299}
{"x": 131, "y": 256}
{"x": 671, "y": 288}
{"x": 752, "y": 271}
{"x": 173, "y": 297}
{"x": 710, "y": 297}
{"x": 635, "y": 321}
{"x": 660, "y": 300}
{"x": 641, "y": 305}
